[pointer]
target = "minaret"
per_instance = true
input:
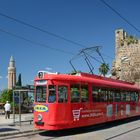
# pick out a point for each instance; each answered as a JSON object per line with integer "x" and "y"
{"x": 11, "y": 73}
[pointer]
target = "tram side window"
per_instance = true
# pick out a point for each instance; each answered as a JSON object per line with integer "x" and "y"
{"x": 52, "y": 93}
{"x": 128, "y": 98}
{"x": 62, "y": 94}
{"x": 132, "y": 96}
{"x": 117, "y": 96}
{"x": 95, "y": 96}
{"x": 99, "y": 95}
{"x": 137, "y": 96}
{"x": 110, "y": 95}
{"x": 75, "y": 93}
{"x": 84, "y": 93}
{"x": 123, "y": 96}
{"x": 41, "y": 94}
{"x": 103, "y": 95}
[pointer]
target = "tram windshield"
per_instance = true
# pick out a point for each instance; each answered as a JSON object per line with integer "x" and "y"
{"x": 52, "y": 93}
{"x": 40, "y": 94}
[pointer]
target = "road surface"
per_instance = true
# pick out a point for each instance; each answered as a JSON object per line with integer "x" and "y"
{"x": 120, "y": 130}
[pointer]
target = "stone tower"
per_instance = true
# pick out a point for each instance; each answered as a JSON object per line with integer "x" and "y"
{"x": 126, "y": 65}
{"x": 11, "y": 73}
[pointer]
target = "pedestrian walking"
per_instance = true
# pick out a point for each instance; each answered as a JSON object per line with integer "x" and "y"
{"x": 7, "y": 107}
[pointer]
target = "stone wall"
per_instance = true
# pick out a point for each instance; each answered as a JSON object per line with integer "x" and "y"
{"x": 126, "y": 65}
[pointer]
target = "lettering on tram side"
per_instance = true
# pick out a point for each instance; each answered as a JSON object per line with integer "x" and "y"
{"x": 41, "y": 108}
{"x": 80, "y": 113}
{"x": 93, "y": 114}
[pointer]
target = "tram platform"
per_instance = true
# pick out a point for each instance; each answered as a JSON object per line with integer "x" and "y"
{"x": 8, "y": 127}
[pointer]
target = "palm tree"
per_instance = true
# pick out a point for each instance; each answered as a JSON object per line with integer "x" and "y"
{"x": 103, "y": 69}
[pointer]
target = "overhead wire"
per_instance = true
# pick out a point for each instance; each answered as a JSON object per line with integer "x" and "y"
{"x": 45, "y": 31}
{"x": 120, "y": 15}
{"x": 41, "y": 30}
{"x": 41, "y": 44}
{"x": 34, "y": 42}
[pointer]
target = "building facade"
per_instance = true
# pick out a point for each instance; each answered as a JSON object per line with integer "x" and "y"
{"x": 126, "y": 65}
{"x": 11, "y": 73}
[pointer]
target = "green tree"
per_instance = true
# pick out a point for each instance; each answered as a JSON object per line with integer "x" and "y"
{"x": 6, "y": 96}
{"x": 103, "y": 69}
{"x": 19, "y": 82}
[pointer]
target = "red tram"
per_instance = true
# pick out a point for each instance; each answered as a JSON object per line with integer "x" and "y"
{"x": 65, "y": 101}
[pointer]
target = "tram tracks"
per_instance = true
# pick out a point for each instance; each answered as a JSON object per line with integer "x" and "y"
{"x": 108, "y": 132}
{"x": 126, "y": 132}
{"x": 21, "y": 135}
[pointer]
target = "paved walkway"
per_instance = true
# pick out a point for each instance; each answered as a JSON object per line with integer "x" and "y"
{"x": 7, "y": 126}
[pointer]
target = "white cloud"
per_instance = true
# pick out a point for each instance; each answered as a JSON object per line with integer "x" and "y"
{"x": 47, "y": 68}
{"x": 1, "y": 77}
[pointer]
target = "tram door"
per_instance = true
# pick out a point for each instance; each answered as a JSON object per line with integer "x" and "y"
{"x": 63, "y": 105}
{"x": 58, "y": 102}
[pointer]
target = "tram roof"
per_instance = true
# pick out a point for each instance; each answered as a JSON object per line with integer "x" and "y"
{"x": 90, "y": 78}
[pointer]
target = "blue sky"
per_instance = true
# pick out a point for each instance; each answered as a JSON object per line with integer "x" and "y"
{"x": 88, "y": 22}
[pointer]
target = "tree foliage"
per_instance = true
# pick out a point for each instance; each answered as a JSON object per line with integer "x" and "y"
{"x": 103, "y": 69}
{"x": 19, "y": 82}
{"x": 6, "y": 96}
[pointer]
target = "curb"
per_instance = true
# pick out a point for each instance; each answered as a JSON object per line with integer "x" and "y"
{"x": 5, "y": 124}
{"x": 18, "y": 133}
{"x": 8, "y": 134}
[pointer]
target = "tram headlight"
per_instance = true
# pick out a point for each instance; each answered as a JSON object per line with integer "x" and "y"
{"x": 39, "y": 117}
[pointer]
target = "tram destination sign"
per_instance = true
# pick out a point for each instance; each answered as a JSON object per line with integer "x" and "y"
{"x": 41, "y": 82}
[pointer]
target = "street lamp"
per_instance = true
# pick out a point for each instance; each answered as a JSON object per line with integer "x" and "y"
{"x": 123, "y": 59}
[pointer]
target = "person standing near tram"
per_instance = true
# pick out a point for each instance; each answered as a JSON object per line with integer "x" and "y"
{"x": 7, "y": 108}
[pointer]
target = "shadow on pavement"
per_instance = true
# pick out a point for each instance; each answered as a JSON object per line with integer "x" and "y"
{"x": 88, "y": 129}
{"x": 7, "y": 129}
